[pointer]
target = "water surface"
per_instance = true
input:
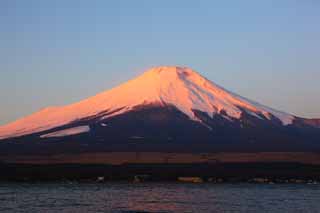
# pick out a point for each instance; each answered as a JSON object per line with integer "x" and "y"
{"x": 158, "y": 197}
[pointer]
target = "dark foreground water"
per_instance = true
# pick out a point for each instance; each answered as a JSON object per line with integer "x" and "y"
{"x": 158, "y": 197}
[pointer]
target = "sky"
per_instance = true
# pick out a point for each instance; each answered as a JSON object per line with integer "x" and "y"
{"x": 59, "y": 52}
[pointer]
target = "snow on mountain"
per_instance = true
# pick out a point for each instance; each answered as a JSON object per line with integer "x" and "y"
{"x": 179, "y": 86}
{"x": 67, "y": 132}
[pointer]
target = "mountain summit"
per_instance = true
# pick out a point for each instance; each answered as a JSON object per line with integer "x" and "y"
{"x": 164, "y": 102}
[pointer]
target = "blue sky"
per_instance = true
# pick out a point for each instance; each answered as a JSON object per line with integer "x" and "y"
{"x": 59, "y": 52}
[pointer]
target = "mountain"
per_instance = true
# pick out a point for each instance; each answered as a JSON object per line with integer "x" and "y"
{"x": 168, "y": 108}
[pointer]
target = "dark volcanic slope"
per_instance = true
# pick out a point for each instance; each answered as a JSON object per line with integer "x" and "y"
{"x": 165, "y": 128}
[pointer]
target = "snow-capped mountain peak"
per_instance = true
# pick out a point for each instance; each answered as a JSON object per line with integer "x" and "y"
{"x": 181, "y": 87}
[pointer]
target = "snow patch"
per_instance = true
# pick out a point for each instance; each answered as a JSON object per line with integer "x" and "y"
{"x": 137, "y": 137}
{"x": 67, "y": 132}
{"x": 227, "y": 118}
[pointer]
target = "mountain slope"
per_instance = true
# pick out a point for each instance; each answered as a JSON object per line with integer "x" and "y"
{"x": 180, "y": 87}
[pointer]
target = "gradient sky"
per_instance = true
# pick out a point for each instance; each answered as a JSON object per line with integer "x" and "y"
{"x": 59, "y": 52}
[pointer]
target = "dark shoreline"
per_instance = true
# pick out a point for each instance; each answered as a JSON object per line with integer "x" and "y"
{"x": 276, "y": 172}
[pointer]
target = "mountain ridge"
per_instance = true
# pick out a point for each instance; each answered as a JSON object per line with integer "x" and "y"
{"x": 181, "y": 87}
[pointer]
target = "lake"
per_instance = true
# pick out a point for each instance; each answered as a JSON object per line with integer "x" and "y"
{"x": 158, "y": 197}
